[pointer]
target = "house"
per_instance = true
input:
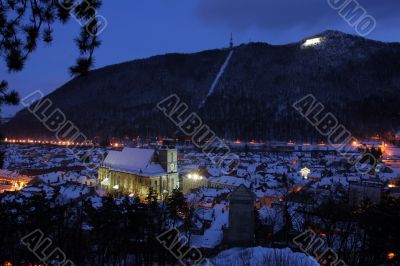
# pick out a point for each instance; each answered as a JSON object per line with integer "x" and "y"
{"x": 12, "y": 181}
{"x": 229, "y": 182}
{"x": 191, "y": 181}
{"x": 267, "y": 197}
{"x": 133, "y": 171}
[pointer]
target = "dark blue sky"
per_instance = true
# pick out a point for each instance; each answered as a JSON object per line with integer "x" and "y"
{"x": 139, "y": 29}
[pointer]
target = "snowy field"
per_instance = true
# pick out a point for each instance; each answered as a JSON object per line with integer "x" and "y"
{"x": 259, "y": 256}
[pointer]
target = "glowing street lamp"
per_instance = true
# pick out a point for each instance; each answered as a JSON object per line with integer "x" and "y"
{"x": 391, "y": 255}
{"x": 194, "y": 176}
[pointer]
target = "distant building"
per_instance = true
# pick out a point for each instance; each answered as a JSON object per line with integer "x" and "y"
{"x": 396, "y": 139}
{"x": 12, "y": 181}
{"x": 360, "y": 191}
{"x": 394, "y": 192}
{"x": 134, "y": 171}
{"x": 192, "y": 181}
{"x": 268, "y": 197}
{"x": 280, "y": 146}
{"x": 240, "y": 230}
{"x": 397, "y": 135}
{"x": 229, "y": 182}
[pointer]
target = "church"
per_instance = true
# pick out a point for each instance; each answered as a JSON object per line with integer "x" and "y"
{"x": 133, "y": 171}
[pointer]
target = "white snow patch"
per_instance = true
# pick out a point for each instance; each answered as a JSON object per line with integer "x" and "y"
{"x": 213, "y": 236}
{"x": 215, "y": 83}
{"x": 259, "y": 256}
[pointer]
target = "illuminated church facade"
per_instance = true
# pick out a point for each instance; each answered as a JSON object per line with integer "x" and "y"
{"x": 133, "y": 171}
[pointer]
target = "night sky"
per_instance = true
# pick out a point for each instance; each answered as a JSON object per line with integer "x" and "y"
{"x": 139, "y": 29}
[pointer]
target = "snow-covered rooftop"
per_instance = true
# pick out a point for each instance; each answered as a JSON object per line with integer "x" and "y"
{"x": 134, "y": 160}
{"x": 229, "y": 180}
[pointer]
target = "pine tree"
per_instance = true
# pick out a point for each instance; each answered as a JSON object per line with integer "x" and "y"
{"x": 23, "y": 25}
{"x": 177, "y": 205}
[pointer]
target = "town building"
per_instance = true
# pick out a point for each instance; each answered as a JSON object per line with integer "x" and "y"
{"x": 191, "y": 181}
{"x": 134, "y": 171}
{"x": 267, "y": 197}
{"x": 12, "y": 181}
{"x": 229, "y": 182}
{"x": 240, "y": 230}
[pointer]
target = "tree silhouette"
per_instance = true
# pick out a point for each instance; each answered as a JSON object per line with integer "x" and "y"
{"x": 177, "y": 206}
{"x": 24, "y": 23}
{"x": 6, "y": 97}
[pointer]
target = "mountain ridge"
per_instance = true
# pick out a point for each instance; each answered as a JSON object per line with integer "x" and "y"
{"x": 252, "y": 99}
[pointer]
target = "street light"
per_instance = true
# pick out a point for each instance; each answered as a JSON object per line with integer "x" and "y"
{"x": 194, "y": 176}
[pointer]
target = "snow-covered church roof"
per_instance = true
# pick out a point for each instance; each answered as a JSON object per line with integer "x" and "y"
{"x": 134, "y": 160}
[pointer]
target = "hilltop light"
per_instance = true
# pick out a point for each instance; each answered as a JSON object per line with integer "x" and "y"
{"x": 312, "y": 42}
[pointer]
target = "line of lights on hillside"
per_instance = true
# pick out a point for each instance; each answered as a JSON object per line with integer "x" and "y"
{"x": 33, "y": 141}
{"x": 117, "y": 145}
{"x": 292, "y": 143}
{"x": 121, "y": 145}
{"x": 58, "y": 143}
{"x": 252, "y": 142}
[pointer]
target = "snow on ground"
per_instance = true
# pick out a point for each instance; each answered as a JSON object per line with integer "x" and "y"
{"x": 96, "y": 201}
{"x": 212, "y": 236}
{"x": 214, "y": 192}
{"x": 72, "y": 192}
{"x": 259, "y": 256}
{"x": 229, "y": 181}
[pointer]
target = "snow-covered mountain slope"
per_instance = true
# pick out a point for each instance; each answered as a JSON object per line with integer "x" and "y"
{"x": 217, "y": 78}
{"x": 250, "y": 97}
